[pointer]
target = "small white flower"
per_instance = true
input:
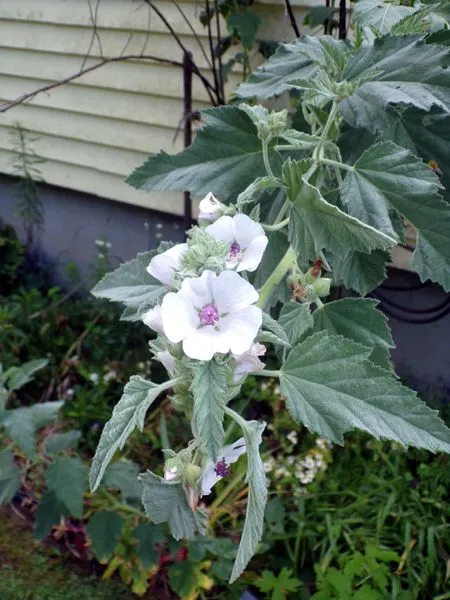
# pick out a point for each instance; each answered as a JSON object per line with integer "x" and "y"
{"x": 152, "y": 318}
{"x": 110, "y": 375}
{"x": 269, "y": 464}
{"x": 323, "y": 443}
{"x": 249, "y": 361}
{"x": 209, "y": 208}
{"x": 214, "y": 472}
{"x": 164, "y": 266}
{"x": 281, "y": 472}
{"x": 70, "y": 392}
{"x": 292, "y": 437}
{"x": 167, "y": 360}
{"x": 212, "y": 313}
{"x": 94, "y": 378}
{"x": 290, "y": 460}
{"x": 246, "y": 238}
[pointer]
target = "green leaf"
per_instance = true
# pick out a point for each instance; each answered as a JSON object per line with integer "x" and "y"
{"x": 359, "y": 271}
{"x": 382, "y": 16}
{"x": 297, "y": 60}
{"x": 383, "y": 175}
{"x": 210, "y": 393}
{"x": 19, "y": 425}
{"x": 66, "y": 477}
{"x": 386, "y": 172}
{"x": 123, "y": 475}
{"x": 44, "y": 413}
{"x": 279, "y": 585}
{"x": 331, "y": 388}
{"x": 405, "y": 70}
{"x": 257, "y": 498}
{"x": 49, "y": 512}
{"x": 61, "y": 441}
{"x": 183, "y": 578}
{"x": 316, "y": 225}
{"x": 104, "y": 529}
{"x": 359, "y": 320}
{"x": 295, "y": 319}
{"x": 246, "y": 25}
{"x": 17, "y": 377}
{"x": 250, "y": 194}
{"x": 10, "y": 477}
{"x": 276, "y": 328}
{"x": 226, "y": 156}
{"x": 128, "y": 414}
{"x": 131, "y": 283}
{"x": 166, "y": 502}
{"x": 149, "y": 536}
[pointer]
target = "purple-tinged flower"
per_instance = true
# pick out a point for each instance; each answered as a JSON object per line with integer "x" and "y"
{"x": 152, "y": 318}
{"x": 249, "y": 361}
{"x": 246, "y": 238}
{"x": 212, "y": 314}
{"x": 214, "y": 472}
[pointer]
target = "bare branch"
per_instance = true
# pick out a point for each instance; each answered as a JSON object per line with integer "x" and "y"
{"x": 25, "y": 97}
{"x": 95, "y": 35}
{"x": 211, "y": 90}
{"x": 291, "y": 16}
{"x": 194, "y": 33}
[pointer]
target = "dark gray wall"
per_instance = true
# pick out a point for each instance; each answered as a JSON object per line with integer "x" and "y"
{"x": 73, "y": 221}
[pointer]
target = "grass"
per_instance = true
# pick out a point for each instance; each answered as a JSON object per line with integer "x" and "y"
{"x": 29, "y": 571}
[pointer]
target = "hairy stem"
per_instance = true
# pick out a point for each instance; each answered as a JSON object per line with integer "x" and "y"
{"x": 277, "y": 275}
{"x": 276, "y": 226}
{"x": 265, "y": 151}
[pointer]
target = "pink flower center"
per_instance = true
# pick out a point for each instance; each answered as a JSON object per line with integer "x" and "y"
{"x": 209, "y": 315}
{"x": 235, "y": 250}
{"x": 222, "y": 469}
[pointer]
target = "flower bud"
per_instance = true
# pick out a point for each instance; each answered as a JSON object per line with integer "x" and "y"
{"x": 210, "y": 209}
{"x": 322, "y": 286}
{"x": 192, "y": 474}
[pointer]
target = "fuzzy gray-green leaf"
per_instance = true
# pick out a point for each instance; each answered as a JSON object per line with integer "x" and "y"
{"x": 257, "y": 498}
{"x": 331, "y": 387}
{"x": 210, "y": 391}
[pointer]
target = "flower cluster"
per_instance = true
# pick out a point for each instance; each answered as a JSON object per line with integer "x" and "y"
{"x": 211, "y": 312}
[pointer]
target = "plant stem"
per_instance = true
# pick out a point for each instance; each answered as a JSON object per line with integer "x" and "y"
{"x": 336, "y": 164}
{"x": 266, "y": 373}
{"x": 318, "y": 151}
{"x": 276, "y": 226}
{"x": 277, "y": 275}
{"x": 265, "y": 151}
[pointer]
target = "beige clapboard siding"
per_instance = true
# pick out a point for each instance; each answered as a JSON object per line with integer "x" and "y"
{"x": 94, "y": 131}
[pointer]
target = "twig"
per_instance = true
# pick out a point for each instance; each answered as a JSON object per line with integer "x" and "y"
{"x": 211, "y": 49}
{"x": 95, "y": 34}
{"x": 194, "y": 33}
{"x": 209, "y": 88}
{"x": 24, "y": 97}
{"x": 291, "y": 16}
{"x": 219, "y": 56}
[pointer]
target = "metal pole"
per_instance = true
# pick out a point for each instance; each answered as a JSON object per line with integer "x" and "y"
{"x": 187, "y": 81}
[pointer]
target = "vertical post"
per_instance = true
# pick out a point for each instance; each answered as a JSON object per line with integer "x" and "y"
{"x": 187, "y": 84}
{"x": 342, "y": 20}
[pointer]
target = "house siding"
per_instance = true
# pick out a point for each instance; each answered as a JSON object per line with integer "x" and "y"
{"x": 94, "y": 131}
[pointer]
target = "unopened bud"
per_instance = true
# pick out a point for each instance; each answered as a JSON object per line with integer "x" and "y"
{"x": 192, "y": 474}
{"x": 322, "y": 286}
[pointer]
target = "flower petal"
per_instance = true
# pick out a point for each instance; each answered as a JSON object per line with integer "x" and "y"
{"x": 152, "y": 318}
{"x": 231, "y": 292}
{"x": 246, "y": 230}
{"x": 203, "y": 343}
{"x": 198, "y": 291}
{"x": 241, "y": 328}
{"x": 222, "y": 230}
{"x": 230, "y": 454}
{"x": 167, "y": 360}
{"x": 163, "y": 266}
{"x": 252, "y": 255}
{"x": 179, "y": 317}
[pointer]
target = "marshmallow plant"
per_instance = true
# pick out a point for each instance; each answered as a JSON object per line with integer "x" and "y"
{"x": 296, "y": 204}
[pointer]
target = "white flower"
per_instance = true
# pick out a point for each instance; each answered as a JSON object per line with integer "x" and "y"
{"x": 246, "y": 238}
{"x": 209, "y": 208}
{"x": 269, "y": 464}
{"x": 167, "y": 360}
{"x": 249, "y": 361}
{"x": 164, "y": 266}
{"x": 110, "y": 375}
{"x": 94, "y": 378}
{"x": 292, "y": 437}
{"x": 212, "y": 313}
{"x": 152, "y": 318}
{"x": 214, "y": 472}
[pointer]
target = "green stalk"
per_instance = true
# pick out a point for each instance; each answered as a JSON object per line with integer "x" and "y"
{"x": 277, "y": 275}
{"x": 265, "y": 152}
